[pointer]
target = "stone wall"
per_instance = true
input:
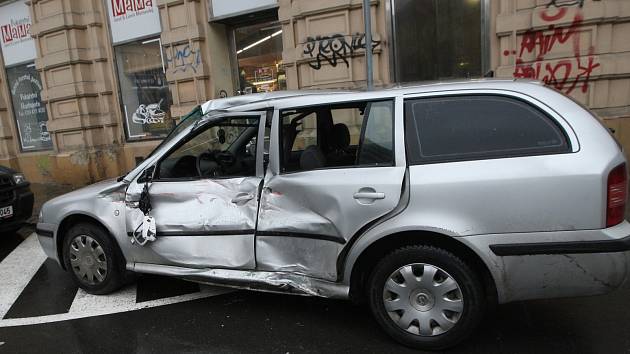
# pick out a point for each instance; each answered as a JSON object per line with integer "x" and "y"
{"x": 324, "y": 43}
{"x": 579, "y": 47}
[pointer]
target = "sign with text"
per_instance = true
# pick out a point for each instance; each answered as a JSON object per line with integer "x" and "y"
{"x": 30, "y": 113}
{"x": 132, "y": 19}
{"x": 15, "y": 33}
{"x": 224, "y": 8}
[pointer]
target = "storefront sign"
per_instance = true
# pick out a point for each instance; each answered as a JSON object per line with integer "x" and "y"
{"x": 224, "y": 8}
{"x": 30, "y": 114}
{"x": 15, "y": 33}
{"x": 132, "y": 19}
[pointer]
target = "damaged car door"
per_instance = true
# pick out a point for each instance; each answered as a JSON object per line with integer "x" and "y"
{"x": 203, "y": 196}
{"x": 337, "y": 171}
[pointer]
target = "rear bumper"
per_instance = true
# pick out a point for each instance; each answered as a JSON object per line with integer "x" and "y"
{"x": 22, "y": 203}
{"x": 556, "y": 264}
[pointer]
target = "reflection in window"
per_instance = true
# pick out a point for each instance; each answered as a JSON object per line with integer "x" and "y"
{"x": 445, "y": 44}
{"x": 259, "y": 54}
{"x": 144, "y": 89}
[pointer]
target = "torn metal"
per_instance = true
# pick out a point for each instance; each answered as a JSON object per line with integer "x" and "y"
{"x": 282, "y": 282}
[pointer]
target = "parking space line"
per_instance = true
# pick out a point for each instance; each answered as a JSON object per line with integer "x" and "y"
{"x": 17, "y": 269}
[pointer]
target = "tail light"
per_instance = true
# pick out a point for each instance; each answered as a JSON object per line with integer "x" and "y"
{"x": 617, "y": 193}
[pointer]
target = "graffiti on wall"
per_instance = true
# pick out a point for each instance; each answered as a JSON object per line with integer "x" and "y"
{"x": 185, "y": 58}
{"x": 334, "y": 49}
{"x": 565, "y": 74}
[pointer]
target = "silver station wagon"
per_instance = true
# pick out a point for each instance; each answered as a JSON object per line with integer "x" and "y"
{"x": 429, "y": 203}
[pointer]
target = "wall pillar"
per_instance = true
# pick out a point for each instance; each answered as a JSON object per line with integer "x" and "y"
{"x": 74, "y": 60}
{"x": 196, "y": 53}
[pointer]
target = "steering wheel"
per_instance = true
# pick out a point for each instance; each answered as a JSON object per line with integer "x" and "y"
{"x": 225, "y": 158}
{"x": 213, "y": 163}
{"x": 206, "y": 164}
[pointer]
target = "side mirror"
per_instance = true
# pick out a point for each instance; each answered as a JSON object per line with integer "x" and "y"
{"x": 147, "y": 175}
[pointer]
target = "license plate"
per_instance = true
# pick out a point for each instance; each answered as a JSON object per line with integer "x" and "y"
{"x": 6, "y": 212}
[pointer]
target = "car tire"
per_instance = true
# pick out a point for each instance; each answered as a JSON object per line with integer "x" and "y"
{"x": 93, "y": 259}
{"x": 437, "y": 318}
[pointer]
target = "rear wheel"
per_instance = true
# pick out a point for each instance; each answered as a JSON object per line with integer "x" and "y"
{"x": 93, "y": 259}
{"x": 425, "y": 297}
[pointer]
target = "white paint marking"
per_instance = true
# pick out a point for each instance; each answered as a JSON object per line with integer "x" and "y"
{"x": 119, "y": 304}
{"x": 123, "y": 298}
{"x": 17, "y": 269}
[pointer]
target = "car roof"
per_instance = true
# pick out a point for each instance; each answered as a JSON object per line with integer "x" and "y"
{"x": 230, "y": 103}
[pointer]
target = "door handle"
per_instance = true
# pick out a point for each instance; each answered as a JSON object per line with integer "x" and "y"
{"x": 369, "y": 195}
{"x": 242, "y": 198}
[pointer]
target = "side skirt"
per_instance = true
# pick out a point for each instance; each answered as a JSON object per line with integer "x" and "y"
{"x": 277, "y": 282}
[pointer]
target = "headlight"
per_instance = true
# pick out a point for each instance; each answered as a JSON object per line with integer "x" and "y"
{"x": 19, "y": 178}
{"x": 40, "y": 216}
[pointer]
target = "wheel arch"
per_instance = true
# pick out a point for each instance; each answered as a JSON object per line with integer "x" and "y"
{"x": 76, "y": 218}
{"x": 368, "y": 258}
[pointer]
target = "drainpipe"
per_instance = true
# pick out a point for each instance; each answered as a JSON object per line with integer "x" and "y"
{"x": 367, "y": 20}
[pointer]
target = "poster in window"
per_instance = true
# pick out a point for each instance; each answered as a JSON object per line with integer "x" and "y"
{"x": 144, "y": 90}
{"x": 30, "y": 113}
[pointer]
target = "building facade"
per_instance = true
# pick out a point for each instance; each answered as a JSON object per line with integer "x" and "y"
{"x": 89, "y": 87}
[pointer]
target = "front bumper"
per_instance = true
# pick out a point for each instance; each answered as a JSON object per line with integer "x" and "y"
{"x": 542, "y": 265}
{"x": 21, "y": 198}
{"x": 46, "y": 236}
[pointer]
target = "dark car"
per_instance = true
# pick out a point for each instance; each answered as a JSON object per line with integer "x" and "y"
{"x": 16, "y": 200}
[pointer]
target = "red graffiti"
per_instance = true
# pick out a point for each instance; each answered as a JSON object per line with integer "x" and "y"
{"x": 538, "y": 41}
{"x": 566, "y": 74}
{"x": 547, "y": 17}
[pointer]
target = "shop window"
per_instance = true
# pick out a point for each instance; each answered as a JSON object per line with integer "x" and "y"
{"x": 446, "y": 43}
{"x": 144, "y": 90}
{"x": 29, "y": 111}
{"x": 259, "y": 56}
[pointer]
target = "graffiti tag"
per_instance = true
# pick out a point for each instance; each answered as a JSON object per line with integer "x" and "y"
{"x": 565, "y": 75}
{"x": 185, "y": 58}
{"x": 334, "y": 49}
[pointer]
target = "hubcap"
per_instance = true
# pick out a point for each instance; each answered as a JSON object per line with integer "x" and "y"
{"x": 88, "y": 260}
{"x": 423, "y": 299}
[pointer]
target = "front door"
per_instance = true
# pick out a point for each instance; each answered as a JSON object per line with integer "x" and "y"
{"x": 204, "y": 196}
{"x": 337, "y": 170}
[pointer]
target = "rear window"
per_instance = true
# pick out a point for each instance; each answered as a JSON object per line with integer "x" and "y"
{"x": 478, "y": 127}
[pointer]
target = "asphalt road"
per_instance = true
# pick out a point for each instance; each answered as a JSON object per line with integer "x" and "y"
{"x": 250, "y": 322}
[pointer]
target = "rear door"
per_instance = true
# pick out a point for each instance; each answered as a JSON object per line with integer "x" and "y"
{"x": 337, "y": 168}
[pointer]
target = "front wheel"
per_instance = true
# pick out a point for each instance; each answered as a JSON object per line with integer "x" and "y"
{"x": 425, "y": 297}
{"x": 93, "y": 259}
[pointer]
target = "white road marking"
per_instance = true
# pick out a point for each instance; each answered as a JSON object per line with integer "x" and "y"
{"x": 17, "y": 269}
{"x": 84, "y": 302}
{"x": 110, "y": 307}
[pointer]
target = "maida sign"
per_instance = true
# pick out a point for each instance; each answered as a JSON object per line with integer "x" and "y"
{"x": 15, "y": 33}
{"x": 132, "y": 19}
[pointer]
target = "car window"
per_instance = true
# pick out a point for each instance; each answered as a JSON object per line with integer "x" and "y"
{"x": 473, "y": 127}
{"x": 335, "y": 136}
{"x": 220, "y": 149}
